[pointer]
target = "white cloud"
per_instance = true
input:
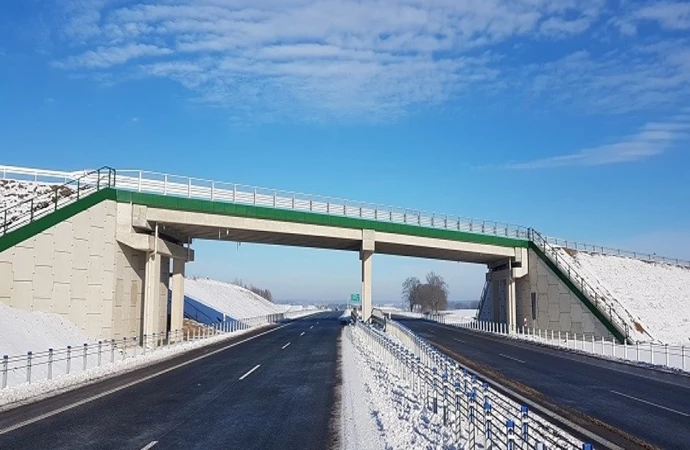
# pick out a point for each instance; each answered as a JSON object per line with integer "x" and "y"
{"x": 670, "y": 15}
{"x": 653, "y": 139}
{"x": 374, "y": 60}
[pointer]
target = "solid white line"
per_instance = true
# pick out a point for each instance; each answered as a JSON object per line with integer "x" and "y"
{"x": 302, "y": 333}
{"x": 149, "y": 445}
{"x": 459, "y": 340}
{"x": 510, "y": 357}
{"x": 285, "y": 346}
{"x": 133, "y": 383}
{"x": 651, "y": 403}
{"x": 250, "y": 372}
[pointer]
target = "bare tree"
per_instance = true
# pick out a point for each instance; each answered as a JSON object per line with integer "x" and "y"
{"x": 431, "y": 296}
{"x": 410, "y": 292}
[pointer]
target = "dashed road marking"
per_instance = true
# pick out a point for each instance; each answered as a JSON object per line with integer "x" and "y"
{"x": 651, "y": 403}
{"x": 149, "y": 445}
{"x": 311, "y": 327}
{"x": 510, "y": 357}
{"x": 250, "y": 372}
{"x": 302, "y": 333}
{"x": 459, "y": 340}
{"x": 285, "y": 346}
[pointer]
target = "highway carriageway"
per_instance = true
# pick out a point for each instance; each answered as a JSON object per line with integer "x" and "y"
{"x": 272, "y": 388}
{"x": 630, "y": 406}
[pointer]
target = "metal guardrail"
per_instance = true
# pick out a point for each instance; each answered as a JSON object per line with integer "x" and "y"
{"x": 475, "y": 411}
{"x": 48, "y": 364}
{"x": 601, "y": 301}
{"x": 26, "y": 211}
{"x": 670, "y": 356}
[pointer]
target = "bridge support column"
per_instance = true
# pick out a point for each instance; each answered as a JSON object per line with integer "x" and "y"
{"x": 511, "y": 310}
{"x": 365, "y": 257}
{"x": 177, "y": 296}
{"x": 152, "y": 294}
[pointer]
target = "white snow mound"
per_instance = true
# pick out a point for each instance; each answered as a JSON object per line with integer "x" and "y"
{"x": 656, "y": 296}
{"x": 230, "y": 299}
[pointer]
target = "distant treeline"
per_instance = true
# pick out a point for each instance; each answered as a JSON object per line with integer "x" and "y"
{"x": 265, "y": 293}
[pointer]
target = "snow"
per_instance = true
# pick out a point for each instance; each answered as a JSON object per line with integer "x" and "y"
{"x": 13, "y": 192}
{"x": 231, "y": 300}
{"x": 383, "y": 412}
{"x": 653, "y": 297}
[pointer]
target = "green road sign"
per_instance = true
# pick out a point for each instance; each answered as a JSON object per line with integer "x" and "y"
{"x": 354, "y": 298}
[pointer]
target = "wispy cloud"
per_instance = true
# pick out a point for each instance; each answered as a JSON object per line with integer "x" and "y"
{"x": 654, "y": 138}
{"x": 380, "y": 59}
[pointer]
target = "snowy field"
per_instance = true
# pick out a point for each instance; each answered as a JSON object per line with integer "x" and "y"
{"x": 232, "y": 300}
{"x": 378, "y": 407}
{"x": 13, "y": 192}
{"x": 653, "y": 297}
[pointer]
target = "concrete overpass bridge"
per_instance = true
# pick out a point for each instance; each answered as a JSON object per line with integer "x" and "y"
{"x": 123, "y": 230}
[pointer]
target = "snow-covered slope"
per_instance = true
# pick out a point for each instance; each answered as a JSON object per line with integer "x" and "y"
{"x": 234, "y": 301}
{"x": 22, "y": 331}
{"x": 13, "y": 192}
{"x": 654, "y": 296}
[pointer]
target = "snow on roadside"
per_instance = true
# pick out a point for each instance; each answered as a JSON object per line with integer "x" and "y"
{"x": 385, "y": 401}
{"x": 230, "y": 299}
{"x": 26, "y": 393}
{"x": 655, "y": 296}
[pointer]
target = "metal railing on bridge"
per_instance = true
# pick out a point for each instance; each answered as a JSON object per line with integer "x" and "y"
{"x": 26, "y": 211}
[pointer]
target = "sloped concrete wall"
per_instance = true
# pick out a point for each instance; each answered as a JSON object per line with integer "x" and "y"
{"x": 486, "y": 313}
{"x": 557, "y": 308}
{"x": 68, "y": 269}
{"x": 78, "y": 269}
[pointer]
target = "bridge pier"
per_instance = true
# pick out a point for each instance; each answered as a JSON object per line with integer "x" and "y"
{"x": 152, "y": 293}
{"x": 177, "y": 295}
{"x": 366, "y": 257}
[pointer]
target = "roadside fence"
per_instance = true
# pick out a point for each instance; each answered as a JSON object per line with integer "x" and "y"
{"x": 479, "y": 416}
{"x": 53, "y": 363}
{"x": 669, "y": 356}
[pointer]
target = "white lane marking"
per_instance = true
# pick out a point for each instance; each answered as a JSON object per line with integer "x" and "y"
{"x": 250, "y": 372}
{"x": 130, "y": 384}
{"x": 510, "y": 357}
{"x": 311, "y": 327}
{"x": 285, "y": 346}
{"x": 149, "y": 445}
{"x": 651, "y": 403}
{"x": 302, "y": 333}
{"x": 459, "y": 340}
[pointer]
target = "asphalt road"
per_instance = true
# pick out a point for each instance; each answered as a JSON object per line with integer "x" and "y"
{"x": 276, "y": 390}
{"x": 649, "y": 404}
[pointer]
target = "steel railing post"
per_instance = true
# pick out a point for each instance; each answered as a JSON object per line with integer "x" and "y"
{"x": 28, "y": 366}
{"x": 100, "y": 348}
{"x": 69, "y": 359}
{"x": 50, "y": 363}
{"x": 112, "y": 350}
{"x": 5, "y": 361}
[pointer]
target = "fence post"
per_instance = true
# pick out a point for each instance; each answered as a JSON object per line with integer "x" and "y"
{"x": 86, "y": 349}
{"x": 69, "y": 358}
{"x": 651, "y": 353}
{"x": 666, "y": 351}
{"x": 510, "y": 431}
{"x": 124, "y": 347}
{"x": 112, "y": 351}
{"x": 5, "y": 359}
{"x": 682, "y": 356}
{"x": 50, "y": 363}
{"x": 143, "y": 343}
{"x": 471, "y": 397}
{"x": 100, "y": 347}
{"x": 525, "y": 425}
{"x": 28, "y": 366}
{"x": 487, "y": 423}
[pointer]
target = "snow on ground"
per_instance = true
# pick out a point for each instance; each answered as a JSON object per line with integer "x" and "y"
{"x": 459, "y": 315}
{"x": 383, "y": 412}
{"x": 656, "y": 296}
{"x": 22, "y": 331}
{"x": 232, "y": 300}
{"x": 13, "y": 192}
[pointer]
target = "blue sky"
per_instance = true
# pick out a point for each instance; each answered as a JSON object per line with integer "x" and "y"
{"x": 570, "y": 116}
